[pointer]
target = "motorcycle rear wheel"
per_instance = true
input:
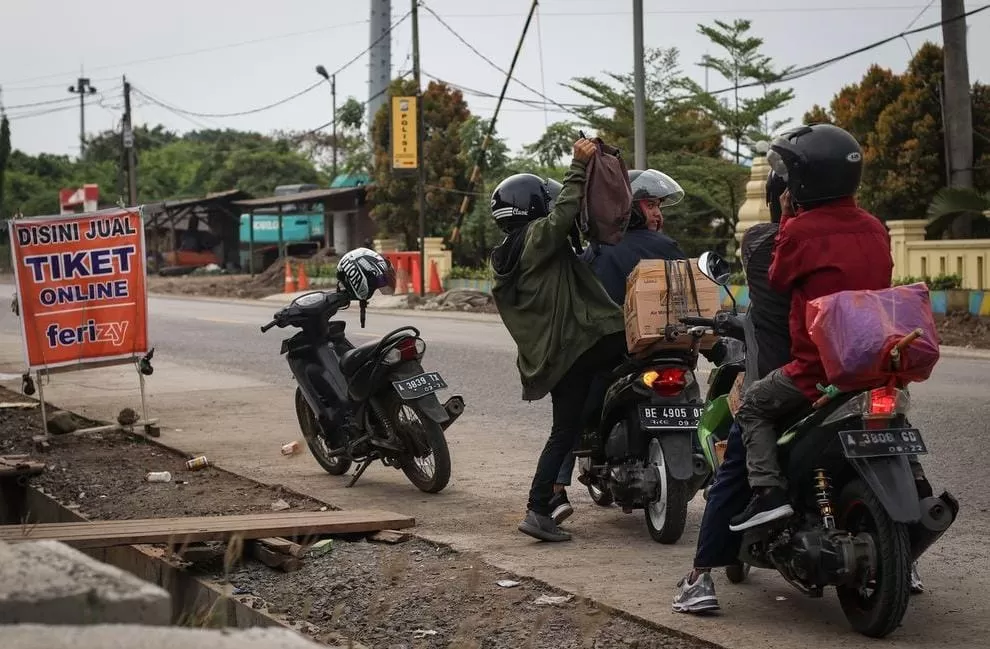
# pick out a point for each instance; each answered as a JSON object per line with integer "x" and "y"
{"x": 878, "y": 614}
{"x": 316, "y": 442}
{"x": 666, "y": 517}
{"x": 431, "y": 433}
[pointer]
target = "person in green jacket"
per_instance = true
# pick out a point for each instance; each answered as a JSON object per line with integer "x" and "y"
{"x": 565, "y": 325}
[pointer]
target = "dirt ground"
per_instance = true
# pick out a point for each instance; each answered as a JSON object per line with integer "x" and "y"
{"x": 239, "y": 286}
{"x": 411, "y": 595}
{"x": 964, "y": 330}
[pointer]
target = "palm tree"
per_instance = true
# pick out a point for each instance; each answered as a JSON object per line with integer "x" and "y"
{"x": 959, "y": 213}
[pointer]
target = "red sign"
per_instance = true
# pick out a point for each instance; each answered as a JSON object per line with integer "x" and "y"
{"x": 81, "y": 287}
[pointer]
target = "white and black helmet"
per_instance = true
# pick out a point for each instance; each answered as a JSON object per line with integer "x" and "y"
{"x": 361, "y": 272}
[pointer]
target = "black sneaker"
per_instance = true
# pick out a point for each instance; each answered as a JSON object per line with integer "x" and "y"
{"x": 764, "y": 507}
{"x": 542, "y": 527}
{"x": 560, "y": 507}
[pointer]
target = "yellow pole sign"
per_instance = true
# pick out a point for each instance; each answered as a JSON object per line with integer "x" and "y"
{"x": 405, "y": 154}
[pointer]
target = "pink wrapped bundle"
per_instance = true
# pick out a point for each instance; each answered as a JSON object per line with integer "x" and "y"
{"x": 855, "y": 332}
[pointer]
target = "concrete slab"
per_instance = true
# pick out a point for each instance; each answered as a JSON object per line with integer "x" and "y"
{"x": 120, "y": 636}
{"x": 47, "y": 582}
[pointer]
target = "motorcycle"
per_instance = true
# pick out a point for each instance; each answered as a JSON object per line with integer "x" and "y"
{"x": 637, "y": 449}
{"x": 353, "y": 403}
{"x": 857, "y": 445}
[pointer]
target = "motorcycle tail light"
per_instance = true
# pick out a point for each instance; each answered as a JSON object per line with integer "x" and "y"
{"x": 667, "y": 381}
{"x": 408, "y": 349}
{"x": 881, "y": 406}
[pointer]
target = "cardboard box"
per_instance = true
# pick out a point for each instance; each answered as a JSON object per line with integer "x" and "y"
{"x": 659, "y": 293}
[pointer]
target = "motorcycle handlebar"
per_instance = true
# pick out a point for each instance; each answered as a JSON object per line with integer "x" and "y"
{"x": 268, "y": 326}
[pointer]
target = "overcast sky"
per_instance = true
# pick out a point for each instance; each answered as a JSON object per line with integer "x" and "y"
{"x": 226, "y": 56}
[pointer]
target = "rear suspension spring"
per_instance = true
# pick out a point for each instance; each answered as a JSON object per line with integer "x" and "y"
{"x": 823, "y": 496}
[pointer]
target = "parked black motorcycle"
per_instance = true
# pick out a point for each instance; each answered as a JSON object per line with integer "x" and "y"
{"x": 367, "y": 403}
{"x": 859, "y": 521}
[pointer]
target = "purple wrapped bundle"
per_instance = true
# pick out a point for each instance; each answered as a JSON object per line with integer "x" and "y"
{"x": 855, "y": 332}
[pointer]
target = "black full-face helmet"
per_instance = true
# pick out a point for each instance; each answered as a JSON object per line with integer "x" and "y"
{"x": 651, "y": 184}
{"x": 519, "y": 199}
{"x": 820, "y": 163}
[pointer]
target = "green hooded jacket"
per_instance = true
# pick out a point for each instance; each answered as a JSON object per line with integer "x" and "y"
{"x": 550, "y": 301}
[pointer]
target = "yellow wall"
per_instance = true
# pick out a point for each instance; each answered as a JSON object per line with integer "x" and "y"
{"x": 916, "y": 257}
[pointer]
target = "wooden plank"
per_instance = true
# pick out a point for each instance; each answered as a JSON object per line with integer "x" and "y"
{"x": 19, "y": 465}
{"x": 284, "y": 546}
{"x": 273, "y": 559}
{"x": 177, "y": 531}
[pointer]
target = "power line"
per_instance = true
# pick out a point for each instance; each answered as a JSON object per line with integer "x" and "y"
{"x": 815, "y": 67}
{"x": 492, "y": 63}
{"x": 280, "y": 102}
{"x": 532, "y": 103}
{"x": 203, "y": 50}
{"x": 700, "y": 12}
{"x": 251, "y": 111}
{"x": 43, "y": 103}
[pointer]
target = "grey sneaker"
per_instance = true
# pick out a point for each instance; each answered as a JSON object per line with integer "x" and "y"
{"x": 698, "y": 597}
{"x": 560, "y": 507}
{"x": 542, "y": 527}
{"x": 917, "y": 586}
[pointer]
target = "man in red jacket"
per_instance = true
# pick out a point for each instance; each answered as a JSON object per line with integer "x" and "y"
{"x": 827, "y": 245}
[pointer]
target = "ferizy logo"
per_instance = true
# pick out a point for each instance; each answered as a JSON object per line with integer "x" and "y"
{"x": 89, "y": 332}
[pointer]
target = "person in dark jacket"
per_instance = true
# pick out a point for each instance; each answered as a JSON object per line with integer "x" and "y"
{"x": 767, "y": 348}
{"x": 829, "y": 245}
{"x": 651, "y": 191}
{"x": 565, "y": 326}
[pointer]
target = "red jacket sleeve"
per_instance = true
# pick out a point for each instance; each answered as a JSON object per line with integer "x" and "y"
{"x": 787, "y": 260}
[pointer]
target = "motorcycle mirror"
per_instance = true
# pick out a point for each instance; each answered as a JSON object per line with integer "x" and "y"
{"x": 714, "y": 268}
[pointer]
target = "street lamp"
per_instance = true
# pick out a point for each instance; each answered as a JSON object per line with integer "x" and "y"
{"x": 322, "y": 71}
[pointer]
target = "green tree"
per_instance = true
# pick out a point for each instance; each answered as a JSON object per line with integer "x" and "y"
{"x": 4, "y": 156}
{"x": 394, "y": 194}
{"x": 478, "y": 232}
{"x": 353, "y": 150}
{"x": 742, "y": 120}
{"x": 671, "y": 125}
{"x": 554, "y": 144}
{"x": 898, "y": 121}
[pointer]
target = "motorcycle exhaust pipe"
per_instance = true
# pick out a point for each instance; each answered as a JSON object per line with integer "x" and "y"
{"x": 937, "y": 515}
{"x": 455, "y": 408}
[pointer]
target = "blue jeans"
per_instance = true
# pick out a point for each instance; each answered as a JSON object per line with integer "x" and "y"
{"x": 728, "y": 496}
{"x": 596, "y": 395}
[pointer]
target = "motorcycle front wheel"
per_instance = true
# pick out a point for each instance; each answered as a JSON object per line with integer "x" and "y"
{"x": 876, "y": 606}
{"x": 667, "y": 516}
{"x": 316, "y": 441}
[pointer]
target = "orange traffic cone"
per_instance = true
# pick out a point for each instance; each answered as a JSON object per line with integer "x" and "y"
{"x": 290, "y": 282}
{"x": 417, "y": 281}
{"x": 401, "y": 277}
{"x": 435, "y": 287}
{"x": 303, "y": 278}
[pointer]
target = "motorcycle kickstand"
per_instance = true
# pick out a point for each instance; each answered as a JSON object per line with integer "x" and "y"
{"x": 357, "y": 474}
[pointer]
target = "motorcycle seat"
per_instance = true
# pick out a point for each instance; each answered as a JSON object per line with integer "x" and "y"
{"x": 353, "y": 359}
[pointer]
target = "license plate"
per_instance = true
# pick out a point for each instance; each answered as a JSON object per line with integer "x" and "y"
{"x": 685, "y": 416}
{"x": 882, "y": 443}
{"x": 419, "y": 386}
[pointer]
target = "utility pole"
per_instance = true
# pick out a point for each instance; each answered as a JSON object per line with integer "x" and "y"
{"x": 82, "y": 88}
{"x": 333, "y": 94}
{"x": 419, "y": 149}
{"x": 128, "y": 141}
{"x": 332, "y": 80}
{"x": 379, "y": 57}
{"x": 639, "y": 80}
{"x": 957, "y": 103}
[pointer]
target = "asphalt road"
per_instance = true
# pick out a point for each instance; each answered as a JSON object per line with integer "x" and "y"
{"x": 211, "y": 344}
